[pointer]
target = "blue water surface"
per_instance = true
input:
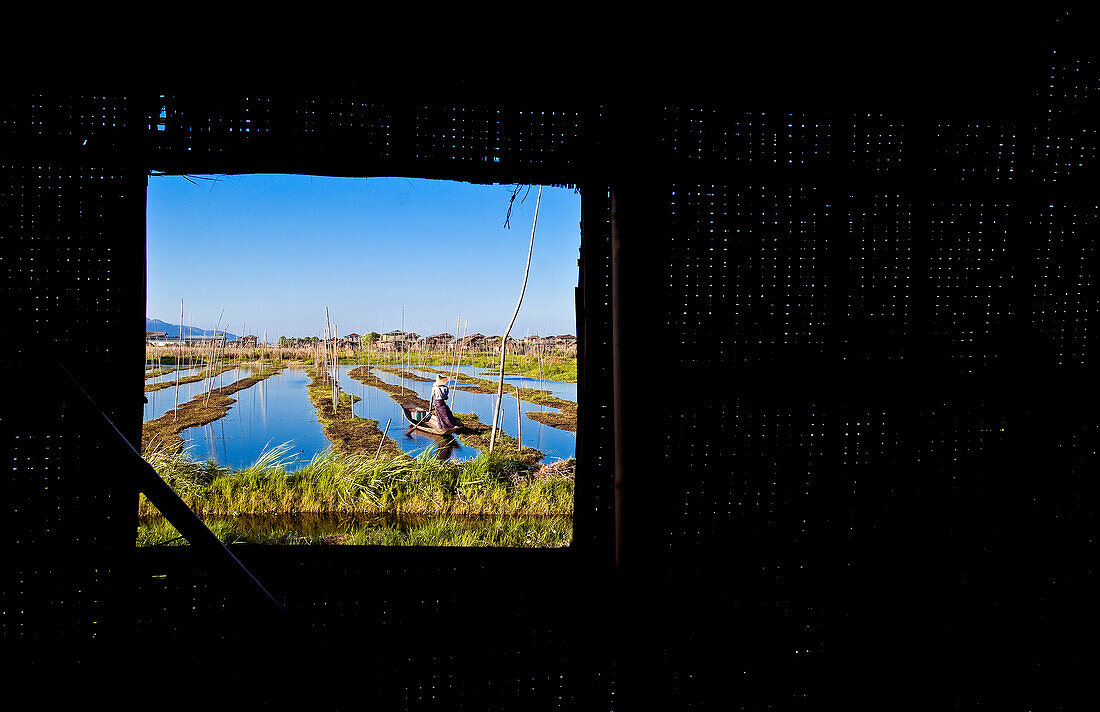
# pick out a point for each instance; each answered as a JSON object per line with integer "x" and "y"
{"x": 277, "y": 410}
{"x": 274, "y": 411}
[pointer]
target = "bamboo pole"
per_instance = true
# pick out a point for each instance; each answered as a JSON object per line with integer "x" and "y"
{"x": 539, "y": 352}
{"x": 453, "y": 370}
{"x": 210, "y": 370}
{"x": 220, "y": 357}
{"x": 383, "y": 440}
{"x": 179, "y": 363}
{"x": 504, "y": 339}
{"x": 459, "y": 346}
{"x": 210, "y": 362}
{"x": 519, "y": 423}
{"x": 221, "y": 351}
{"x": 324, "y": 344}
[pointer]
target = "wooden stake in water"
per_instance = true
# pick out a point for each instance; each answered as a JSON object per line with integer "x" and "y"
{"x": 383, "y": 440}
{"x": 541, "y": 385}
{"x": 324, "y": 345}
{"x": 179, "y": 364}
{"x": 452, "y": 365}
{"x": 459, "y": 347}
{"x": 210, "y": 367}
{"x": 221, "y": 351}
{"x": 519, "y": 423}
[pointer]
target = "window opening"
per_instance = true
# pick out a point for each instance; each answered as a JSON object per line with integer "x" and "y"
{"x": 302, "y": 329}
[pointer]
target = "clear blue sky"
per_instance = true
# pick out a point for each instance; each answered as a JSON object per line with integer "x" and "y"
{"x": 272, "y": 251}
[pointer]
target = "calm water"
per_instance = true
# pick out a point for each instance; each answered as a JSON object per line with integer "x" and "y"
{"x": 565, "y": 391}
{"x": 277, "y": 410}
{"x": 162, "y": 401}
{"x": 274, "y": 411}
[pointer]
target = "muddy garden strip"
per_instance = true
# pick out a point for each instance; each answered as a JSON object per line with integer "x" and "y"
{"x": 163, "y": 432}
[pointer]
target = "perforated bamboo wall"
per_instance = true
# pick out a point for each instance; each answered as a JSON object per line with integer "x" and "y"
{"x": 871, "y": 487}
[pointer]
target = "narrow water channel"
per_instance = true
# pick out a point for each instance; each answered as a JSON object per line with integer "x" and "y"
{"x": 163, "y": 401}
{"x": 272, "y": 412}
{"x": 561, "y": 389}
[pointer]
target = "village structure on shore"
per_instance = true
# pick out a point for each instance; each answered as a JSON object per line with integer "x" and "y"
{"x": 396, "y": 340}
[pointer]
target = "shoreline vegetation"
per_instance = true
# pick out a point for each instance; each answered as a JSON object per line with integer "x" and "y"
{"x": 492, "y": 500}
{"x": 528, "y": 532}
{"x": 492, "y": 484}
{"x": 555, "y": 367}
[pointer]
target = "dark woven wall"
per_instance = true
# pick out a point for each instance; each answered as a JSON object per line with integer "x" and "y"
{"x": 871, "y": 486}
{"x": 873, "y": 490}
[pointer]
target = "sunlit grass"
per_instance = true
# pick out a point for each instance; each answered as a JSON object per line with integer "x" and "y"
{"x": 492, "y": 484}
{"x": 541, "y": 532}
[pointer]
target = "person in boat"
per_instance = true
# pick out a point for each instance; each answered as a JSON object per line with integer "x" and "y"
{"x": 443, "y": 415}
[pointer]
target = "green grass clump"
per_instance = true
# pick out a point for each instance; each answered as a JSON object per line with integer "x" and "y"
{"x": 542, "y": 532}
{"x": 495, "y": 484}
{"x": 492, "y": 500}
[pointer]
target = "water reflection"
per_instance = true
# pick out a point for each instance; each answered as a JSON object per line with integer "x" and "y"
{"x": 163, "y": 401}
{"x": 274, "y": 411}
{"x": 442, "y": 447}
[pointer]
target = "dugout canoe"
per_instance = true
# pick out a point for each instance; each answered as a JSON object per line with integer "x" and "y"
{"x": 419, "y": 419}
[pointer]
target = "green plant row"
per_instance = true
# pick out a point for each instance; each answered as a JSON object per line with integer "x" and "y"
{"x": 543, "y": 532}
{"x": 333, "y": 482}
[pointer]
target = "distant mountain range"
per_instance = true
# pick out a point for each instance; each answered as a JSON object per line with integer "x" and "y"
{"x": 157, "y": 325}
